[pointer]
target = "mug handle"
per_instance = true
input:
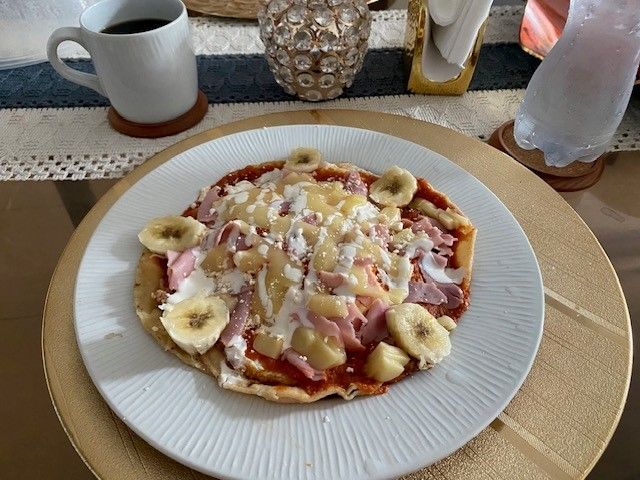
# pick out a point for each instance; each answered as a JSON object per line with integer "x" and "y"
{"x": 75, "y": 76}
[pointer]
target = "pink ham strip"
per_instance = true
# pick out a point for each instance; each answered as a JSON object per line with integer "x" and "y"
{"x": 298, "y": 361}
{"x": 238, "y": 318}
{"x": 325, "y": 326}
{"x": 284, "y": 208}
{"x": 241, "y": 243}
{"x": 311, "y": 219}
{"x": 355, "y": 185}
{"x": 376, "y": 327}
{"x": 348, "y": 333}
{"x": 453, "y": 293}
{"x": 362, "y": 261}
{"x": 444, "y": 250}
{"x": 381, "y": 231}
{"x": 180, "y": 266}
{"x": 204, "y": 210}
{"x": 331, "y": 279}
{"x": 425, "y": 292}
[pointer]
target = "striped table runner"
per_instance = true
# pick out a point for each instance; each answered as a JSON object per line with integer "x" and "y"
{"x": 54, "y": 129}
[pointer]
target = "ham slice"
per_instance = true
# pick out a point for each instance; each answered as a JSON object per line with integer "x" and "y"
{"x": 298, "y": 361}
{"x": 380, "y": 232}
{"x": 434, "y": 232}
{"x": 355, "y": 184}
{"x": 331, "y": 279}
{"x": 229, "y": 233}
{"x": 284, "y": 207}
{"x": 348, "y": 326}
{"x": 205, "y": 212}
{"x": 425, "y": 292}
{"x": 311, "y": 219}
{"x": 453, "y": 292}
{"x": 325, "y": 326}
{"x": 238, "y": 317}
{"x": 376, "y": 327}
{"x": 179, "y": 266}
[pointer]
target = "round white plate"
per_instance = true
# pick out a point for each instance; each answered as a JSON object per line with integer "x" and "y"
{"x": 422, "y": 419}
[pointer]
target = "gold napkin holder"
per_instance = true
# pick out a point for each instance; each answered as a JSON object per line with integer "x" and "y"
{"x": 418, "y": 81}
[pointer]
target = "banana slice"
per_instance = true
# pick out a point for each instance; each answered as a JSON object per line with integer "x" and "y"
{"x": 395, "y": 188}
{"x": 385, "y": 363}
{"x": 304, "y": 160}
{"x": 171, "y": 233}
{"x": 447, "y": 322}
{"x": 418, "y": 333}
{"x": 196, "y": 323}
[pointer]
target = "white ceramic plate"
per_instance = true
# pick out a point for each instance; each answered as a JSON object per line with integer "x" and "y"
{"x": 424, "y": 418}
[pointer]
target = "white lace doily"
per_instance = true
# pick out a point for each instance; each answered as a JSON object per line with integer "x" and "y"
{"x": 77, "y": 143}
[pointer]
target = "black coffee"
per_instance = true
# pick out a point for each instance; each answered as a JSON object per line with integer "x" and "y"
{"x": 135, "y": 26}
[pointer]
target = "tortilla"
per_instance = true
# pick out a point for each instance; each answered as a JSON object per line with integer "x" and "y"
{"x": 273, "y": 385}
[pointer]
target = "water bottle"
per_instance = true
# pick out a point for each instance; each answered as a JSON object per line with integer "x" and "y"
{"x": 577, "y": 96}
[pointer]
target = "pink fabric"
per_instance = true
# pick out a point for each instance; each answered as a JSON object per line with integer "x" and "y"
{"x": 295, "y": 359}
{"x": 238, "y": 317}
{"x": 180, "y": 266}
{"x": 204, "y": 210}
{"x": 376, "y": 327}
{"x": 355, "y": 185}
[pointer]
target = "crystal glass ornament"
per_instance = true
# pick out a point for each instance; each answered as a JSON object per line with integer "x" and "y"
{"x": 315, "y": 47}
{"x": 577, "y": 96}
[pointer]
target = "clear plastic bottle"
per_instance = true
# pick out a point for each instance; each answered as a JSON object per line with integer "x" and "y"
{"x": 577, "y": 96}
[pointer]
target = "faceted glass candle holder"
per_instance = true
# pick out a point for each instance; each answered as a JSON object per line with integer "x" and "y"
{"x": 315, "y": 47}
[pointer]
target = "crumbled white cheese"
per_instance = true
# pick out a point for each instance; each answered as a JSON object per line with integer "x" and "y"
{"x": 441, "y": 274}
{"x": 192, "y": 285}
{"x": 421, "y": 242}
{"x": 284, "y": 324}
{"x": 349, "y": 369}
{"x": 263, "y": 294}
{"x": 235, "y": 352}
{"x": 241, "y": 186}
{"x": 263, "y": 249}
{"x": 234, "y": 280}
{"x": 292, "y": 273}
{"x": 297, "y": 243}
{"x": 241, "y": 197}
{"x": 251, "y": 208}
{"x": 270, "y": 176}
{"x": 365, "y": 212}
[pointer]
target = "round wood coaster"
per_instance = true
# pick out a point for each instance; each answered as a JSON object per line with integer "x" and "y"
{"x": 573, "y": 177}
{"x": 164, "y": 129}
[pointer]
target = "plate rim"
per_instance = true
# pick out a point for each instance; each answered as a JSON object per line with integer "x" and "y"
{"x": 403, "y": 468}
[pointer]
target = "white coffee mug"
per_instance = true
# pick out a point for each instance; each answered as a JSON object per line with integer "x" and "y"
{"x": 149, "y": 77}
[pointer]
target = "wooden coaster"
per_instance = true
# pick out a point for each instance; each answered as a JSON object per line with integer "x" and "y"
{"x": 164, "y": 129}
{"x": 573, "y": 177}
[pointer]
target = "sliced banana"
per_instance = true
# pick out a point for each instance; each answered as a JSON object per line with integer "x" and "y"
{"x": 171, "y": 233}
{"x": 385, "y": 363}
{"x": 395, "y": 188}
{"x": 304, "y": 160}
{"x": 418, "y": 333}
{"x": 449, "y": 218}
{"x": 447, "y": 322}
{"x": 196, "y": 323}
